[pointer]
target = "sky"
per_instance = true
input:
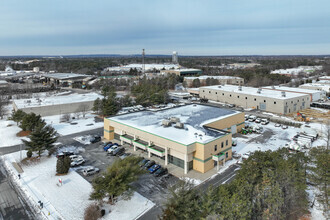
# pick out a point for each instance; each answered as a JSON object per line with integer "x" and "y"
{"x": 190, "y": 27}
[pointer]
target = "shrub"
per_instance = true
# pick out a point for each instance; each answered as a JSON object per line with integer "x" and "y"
{"x": 29, "y": 153}
{"x": 92, "y": 212}
{"x": 63, "y": 165}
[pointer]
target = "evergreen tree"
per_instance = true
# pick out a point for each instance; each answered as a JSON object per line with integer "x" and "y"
{"x": 63, "y": 165}
{"x": 42, "y": 138}
{"x": 18, "y": 116}
{"x": 196, "y": 83}
{"x": 31, "y": 121}
{"x": 117, "y": 179}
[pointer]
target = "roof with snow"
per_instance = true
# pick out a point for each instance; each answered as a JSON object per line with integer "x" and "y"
{"x": 254, "y": 91}
{"x": 214, "y": 77}
{"x": 65, "y": 75}
{"x": 57, "y": 99}
{"x": 192, "y": 116}
{"x": 292, "y": 89}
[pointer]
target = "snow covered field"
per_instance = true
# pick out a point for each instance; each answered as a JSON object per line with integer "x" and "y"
{"x": 79, "y": 125}
{"x": 8, "y": 131}
{"x": 39, "y": 183}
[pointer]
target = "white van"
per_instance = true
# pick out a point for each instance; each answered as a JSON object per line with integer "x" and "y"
{"x": 252, "y": 118}
{"x": 264, "y": 121}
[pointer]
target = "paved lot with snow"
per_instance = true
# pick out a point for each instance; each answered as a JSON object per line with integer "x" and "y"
{"x": 39, "y": 183}
{"x": 75, "y": 125}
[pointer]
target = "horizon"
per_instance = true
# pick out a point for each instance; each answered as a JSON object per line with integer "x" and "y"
{"x": 192, "y": 28}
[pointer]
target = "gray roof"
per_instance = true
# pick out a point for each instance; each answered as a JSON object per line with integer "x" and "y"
{"x": 65, "y": 75}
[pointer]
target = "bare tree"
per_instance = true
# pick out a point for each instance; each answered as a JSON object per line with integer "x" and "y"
{"x": 3, "y": 103}
{"x": 66, "y": 118}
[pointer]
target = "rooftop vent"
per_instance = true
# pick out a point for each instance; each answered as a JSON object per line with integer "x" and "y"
{"x": 179, "y": 125}
{"x": 273, "y": 87}
{"x": 283, "y": 94}
{"x": 174, "y": 119}
{"x": 219, "y": 86}
{"x": 239, "y": 88}
{"x": 259, "y": 90}
{"x": 166, "y": 123}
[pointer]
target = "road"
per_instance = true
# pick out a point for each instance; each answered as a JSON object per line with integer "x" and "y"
{"x": 226, "y": 177}
{"x": 12, "y": 206}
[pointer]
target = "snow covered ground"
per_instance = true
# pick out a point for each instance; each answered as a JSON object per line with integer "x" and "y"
{"x": 39, "y": 183}
{"x": 75, "y": 126}
{"x": 8, "y": 131}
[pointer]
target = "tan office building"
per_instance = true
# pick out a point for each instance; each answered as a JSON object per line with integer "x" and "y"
{"x": 197, "y": 137}
{"x": 280, "y": 102}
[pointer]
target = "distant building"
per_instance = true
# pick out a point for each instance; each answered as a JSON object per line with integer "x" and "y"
{"x": 293, "y": 72}
{"x": 36, "y": 69}
{"x": 317, "y": 86}
{"x": 175, "y": 57}
{"x": 221, "y": 80}
{"x": 280, "y": 102}
{"x": 192, "y": 137}
{"x": 64, "y": 79}
{"x": 61, "y": 103}
{"x": 182, "y": 72}
{"x": 148, "y": 67}
{"x": 3, "y": 84}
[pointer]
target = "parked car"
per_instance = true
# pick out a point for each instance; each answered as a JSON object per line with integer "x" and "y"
{"x": 95, "y": 139}
{"x": 252, "y": 118}
{"x": 118, "y": 151}
{"x": 124, "y": 155}
{"x": 246, "y": 117}
{"x": 277, "y": 125}
{"x": 149, "y": 164}
{"x": 161, "y": 171}
{"x": 143, "y": 162}
{"x": 246, "y": 155}
{"x": 235, "y": 155}
{"x": 75, "y": 157}
{"x": 264, "y": 121}
{"x": 284, "y": 127}
{"x": 111, "y": 149}
{"x": 233, "y": 143}
{"x": 105, "y": 144}
{"x": 231, "y": 105}
{"x": 258, "y": 120}
{"x": 90, "y": 171}
{"x": 153, "y": 168}
{"x": 77, "y": 162}
{"x": 106, "y": 148}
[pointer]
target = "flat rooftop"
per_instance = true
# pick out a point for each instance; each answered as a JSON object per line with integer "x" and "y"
{"x": 214, "y": 77}
{"x": 64, "y": 75}
{"x": 292, "y": 89}
{"x": 253, "y": 91}
{"x": 192, "y": 116}
{"x": 56, "y": 99}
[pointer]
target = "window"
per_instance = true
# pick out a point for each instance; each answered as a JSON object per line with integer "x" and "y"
{"x": 223, "y": 93}
{"x": 226, "y": 142}
{"x": 203, "y": 90}
{"x": 209, "y": 91}
{"x": 238, "y": 96}
{"x": 264, "y": 100}
{"x": 291, "y": 102}
{"x": 230, "y": 95}
{"x": 275, "y": 103}
{"x": 303, "y": 99}
{"x": 245, "y": 97}
{"x": 215, "y": 147}
{"x": 255, "y": 99}
{"x": 307, "y": 98}
{"x": 216, "y": 92}
{"x": 298, "y": 100}
{"x": 226, "y": 154}
{"x": 221, "y": 144}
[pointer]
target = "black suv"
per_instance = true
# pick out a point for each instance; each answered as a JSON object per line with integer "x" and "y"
{"x": 95, "y": 139}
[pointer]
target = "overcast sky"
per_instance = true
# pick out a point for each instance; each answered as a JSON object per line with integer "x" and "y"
{"x": 204, "y": 27}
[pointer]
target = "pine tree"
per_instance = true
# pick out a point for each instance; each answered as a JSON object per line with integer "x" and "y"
{"x": 63, "y": 165}
{"x": 18, "y": 116}
{"x": 42, "y": 138}
{"x": 31, "y": 121}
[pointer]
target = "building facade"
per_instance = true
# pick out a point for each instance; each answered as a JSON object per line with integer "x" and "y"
{"x": 203, "y": 142}
{"x": 182, "y": 72}
{"x": 279, "y": 102}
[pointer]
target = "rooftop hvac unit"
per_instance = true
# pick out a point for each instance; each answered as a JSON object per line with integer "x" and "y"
{"x": 240, "y": 88}
{"x": 259, "y": 90}
{"x": 166, "y": 123}
{"x": 219, "y": 86}
{"x": 179, "y": 125}
{"x": 273, "y": 87}
{"x": 175, "y": 119}
{"x": 283, "y": 94}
